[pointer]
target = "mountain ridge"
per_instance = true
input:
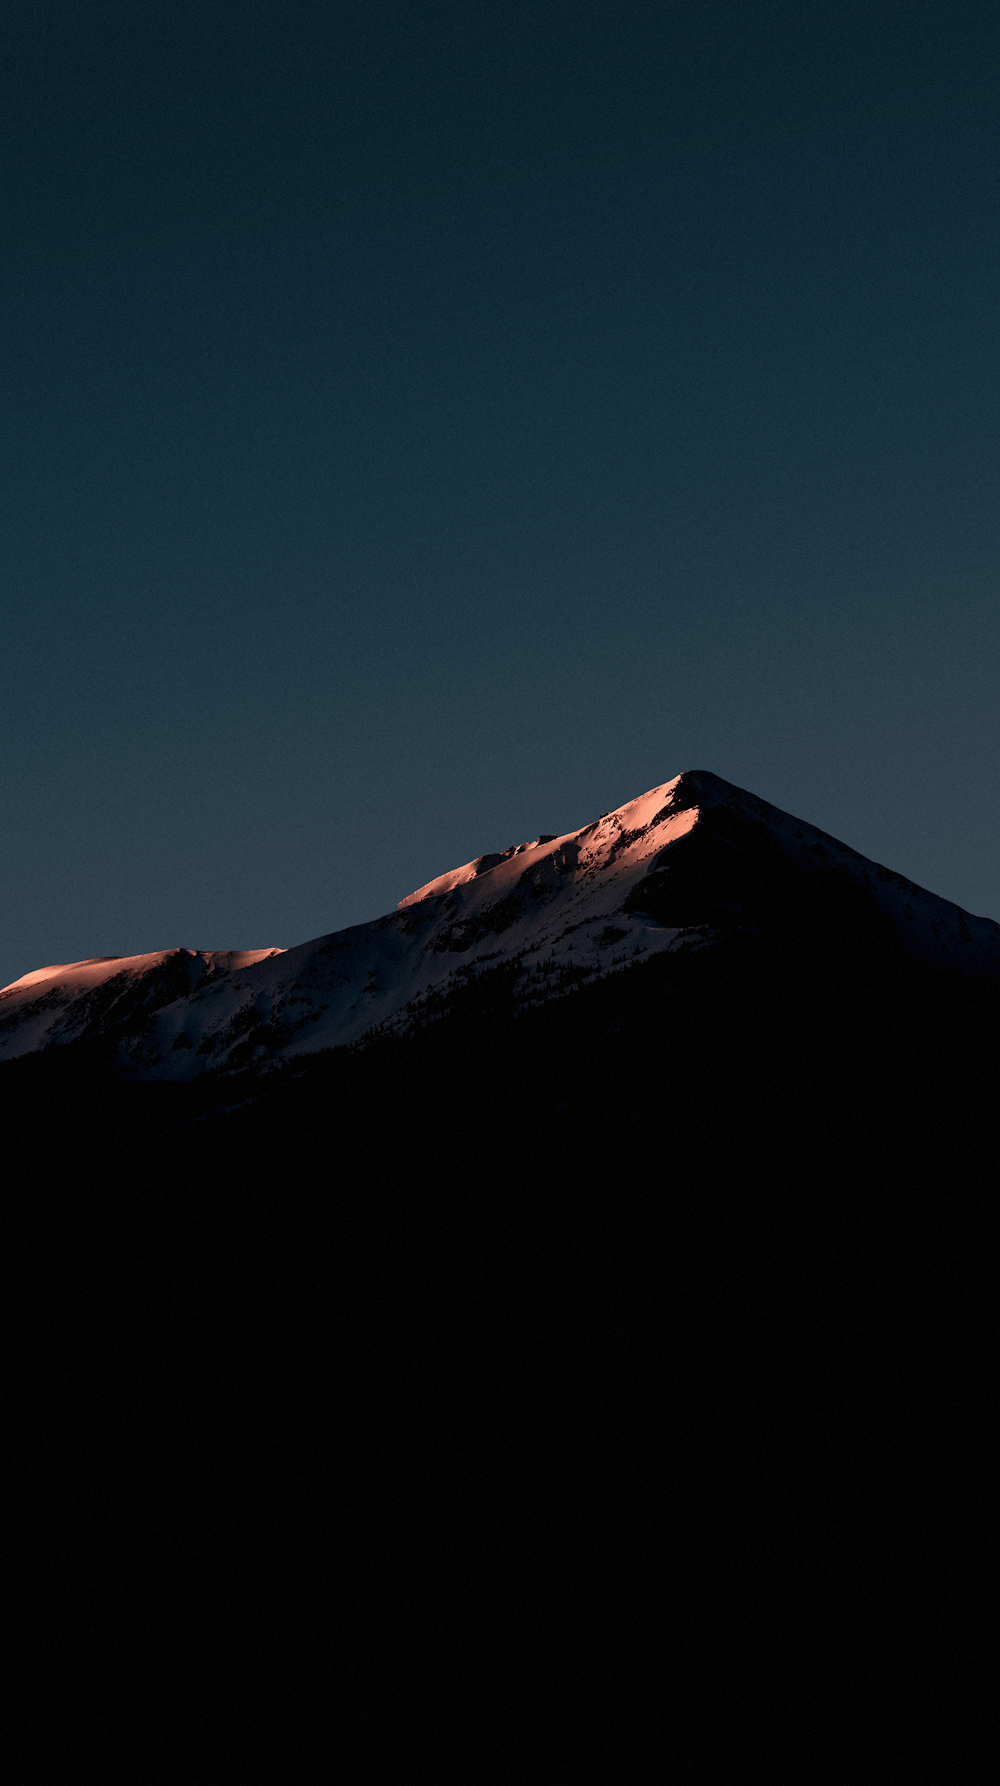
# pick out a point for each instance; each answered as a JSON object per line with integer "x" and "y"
{"x": 691, "y": 859}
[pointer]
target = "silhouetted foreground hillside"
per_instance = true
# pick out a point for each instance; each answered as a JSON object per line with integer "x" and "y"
{"x": 564, "y": 1347}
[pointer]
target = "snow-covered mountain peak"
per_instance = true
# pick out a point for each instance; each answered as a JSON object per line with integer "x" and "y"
{"x": 596, "y": 844}
{"x": 692, "y": 858}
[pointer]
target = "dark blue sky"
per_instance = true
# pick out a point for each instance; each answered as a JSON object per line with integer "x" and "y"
{"x": 429, "y": 425}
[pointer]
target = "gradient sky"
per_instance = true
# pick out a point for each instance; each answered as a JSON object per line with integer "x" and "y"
{"x": 426, "y": 425}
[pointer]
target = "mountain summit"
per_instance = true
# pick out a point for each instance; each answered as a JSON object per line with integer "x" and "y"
{"x": 684, "y": 865}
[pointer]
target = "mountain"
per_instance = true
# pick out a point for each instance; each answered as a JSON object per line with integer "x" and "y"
{"x": 624, "y": 1289}
{"x": 689, "y": 863}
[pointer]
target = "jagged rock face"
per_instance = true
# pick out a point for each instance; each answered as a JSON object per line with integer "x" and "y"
{"x": 691, "y": 860}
